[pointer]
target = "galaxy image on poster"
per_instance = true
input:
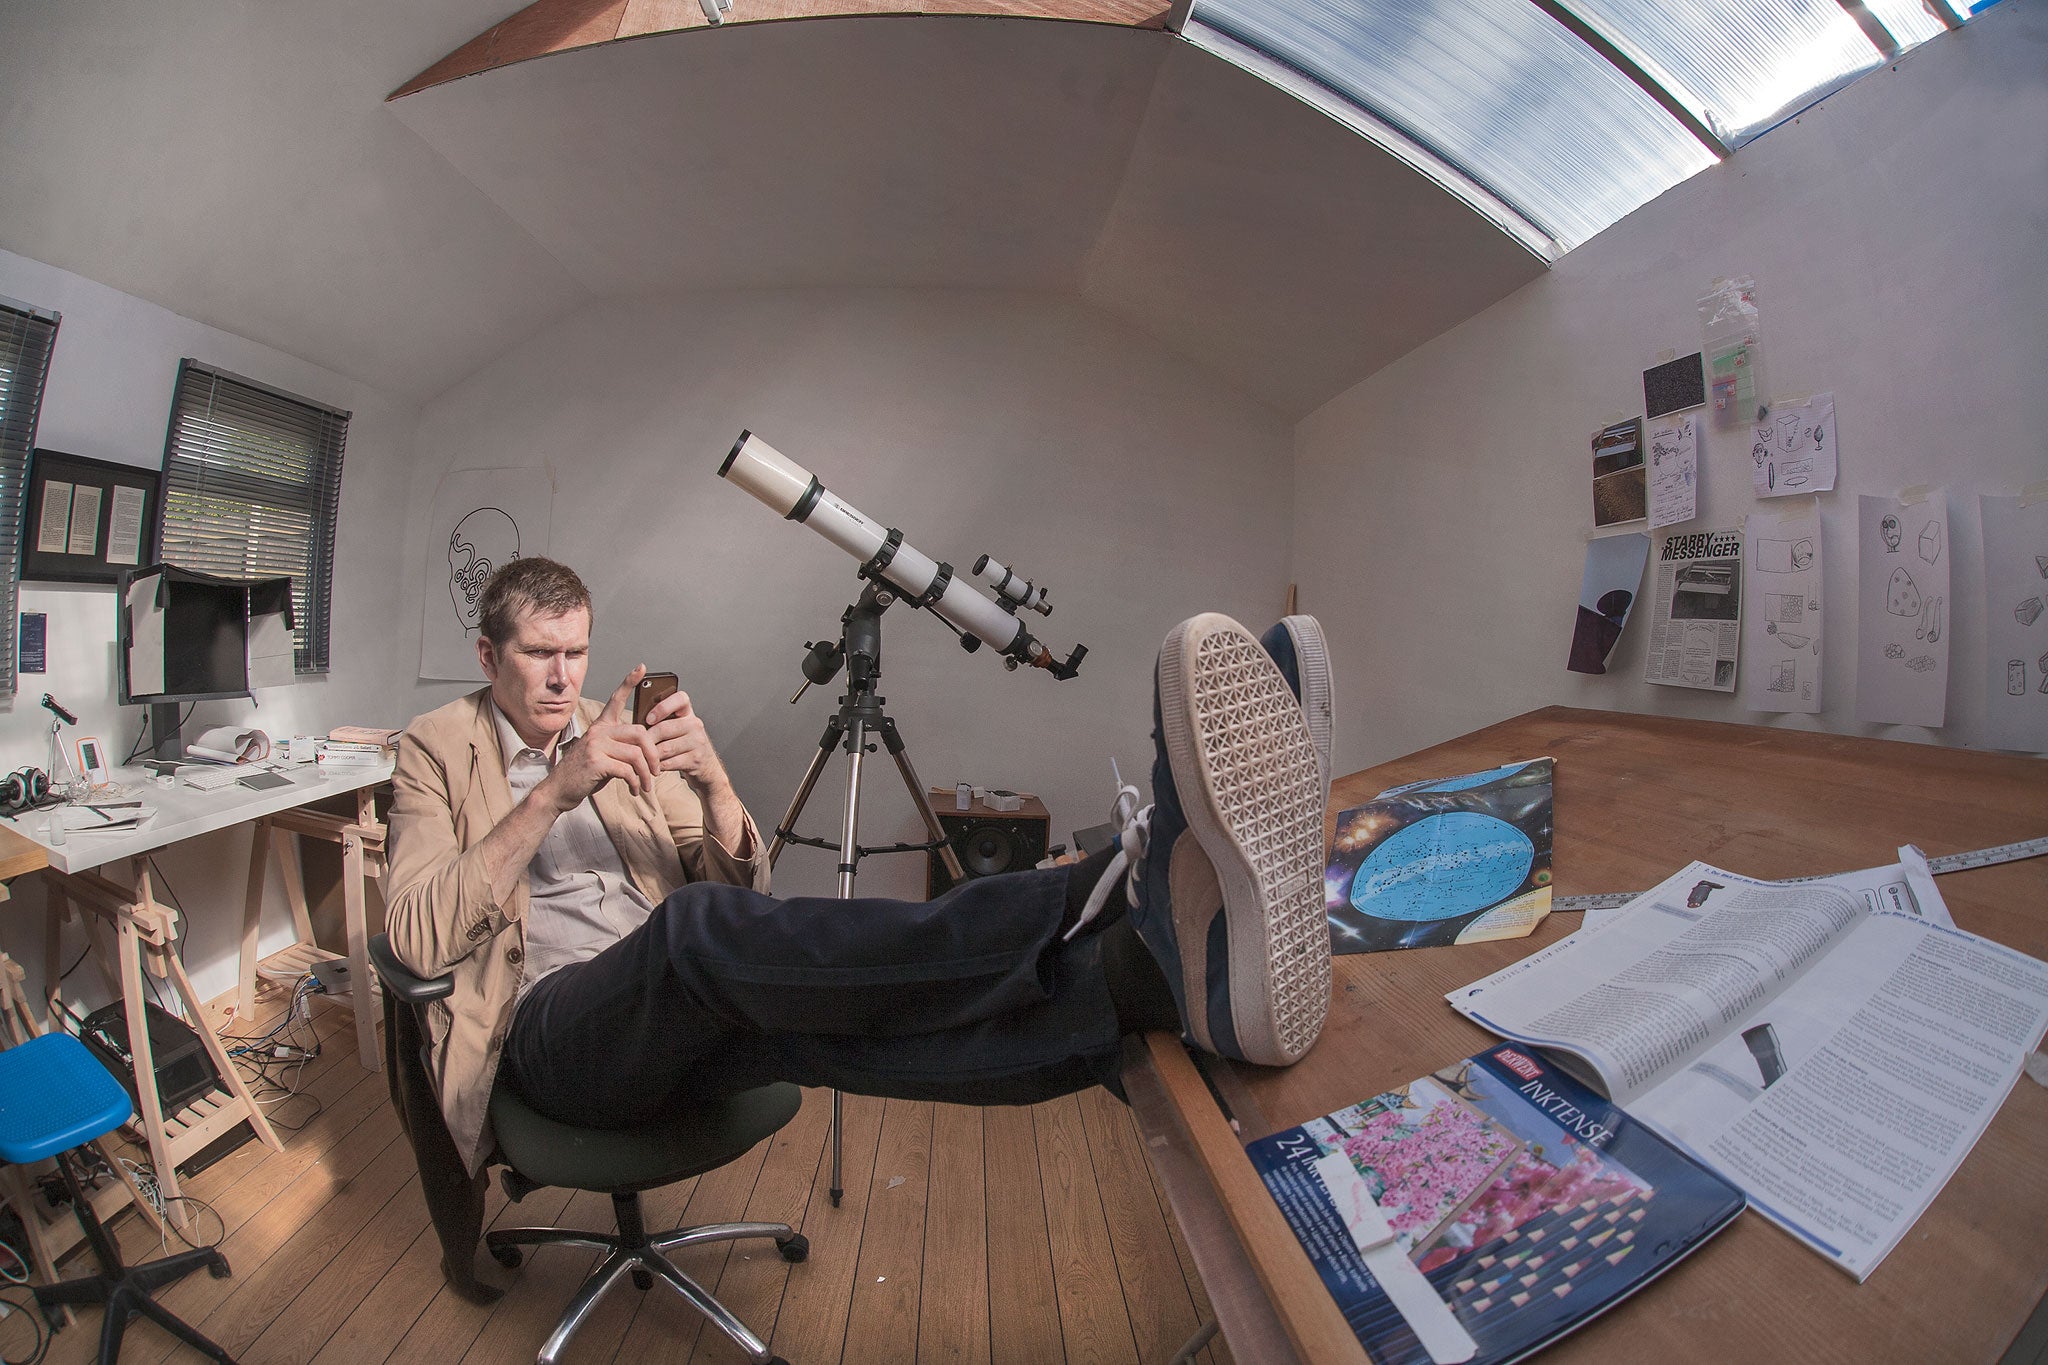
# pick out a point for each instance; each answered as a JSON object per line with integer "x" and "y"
{"x": 1450, "y": 860}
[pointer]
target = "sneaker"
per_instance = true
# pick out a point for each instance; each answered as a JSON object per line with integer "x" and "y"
{"x": 1226, "y": 865}
{"x": 1297, "y": 646}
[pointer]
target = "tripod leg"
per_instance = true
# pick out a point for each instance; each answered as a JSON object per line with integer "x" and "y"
{"x": 849, "y": 859}
{"x": 932, "y": 828}
{"x": 833, "y": 731}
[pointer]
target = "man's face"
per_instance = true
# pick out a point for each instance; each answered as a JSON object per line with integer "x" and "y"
{"x": 537, "y": 675}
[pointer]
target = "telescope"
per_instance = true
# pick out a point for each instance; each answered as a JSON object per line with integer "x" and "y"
{"x": 887, "y": 560}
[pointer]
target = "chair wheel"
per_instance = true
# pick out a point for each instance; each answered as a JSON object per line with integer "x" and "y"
{"x": 507, "y": 1256}
{"x": 642, "y": 1279}
{"x": 219, "y": 1268}
{"x": 797, "y": 1248}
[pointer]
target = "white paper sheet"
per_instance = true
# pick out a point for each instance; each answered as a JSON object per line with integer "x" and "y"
{"x": 53, "y": 532}
{"x": 2016, "y": 622}
{"x": 1781, "y": 633}
{"x": 146, "y": 624}
{"x": 482, "y": 520}
{"x": 124, "y": 527}
{"x": 1607, "y": 593}
{"x": 1696, "y": 611}
{"x": 1902, "y": 627}
{"x": 1674, "y": 469}
{"x": 1794, "y": 449}
{"x": 85, "y": 521}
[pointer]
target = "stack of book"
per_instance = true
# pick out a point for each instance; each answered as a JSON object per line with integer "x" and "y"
{"x": 342, "y": 755}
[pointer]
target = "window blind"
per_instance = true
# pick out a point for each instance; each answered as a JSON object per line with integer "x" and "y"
{"x": 26, "y": 338}
{"x": 252, "y": 481}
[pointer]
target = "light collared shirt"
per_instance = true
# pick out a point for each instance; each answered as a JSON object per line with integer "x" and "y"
{"x": 579, "y": 899}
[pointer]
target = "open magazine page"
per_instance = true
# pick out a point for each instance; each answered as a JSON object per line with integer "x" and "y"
{"x": 1640, "y": 996}
{"x": 1843, "y": 1105}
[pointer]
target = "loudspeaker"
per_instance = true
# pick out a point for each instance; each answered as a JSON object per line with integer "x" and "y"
{"x": 987, "y": 841}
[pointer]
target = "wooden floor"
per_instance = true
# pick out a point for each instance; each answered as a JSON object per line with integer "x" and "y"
{"x": 971, "y": 1235}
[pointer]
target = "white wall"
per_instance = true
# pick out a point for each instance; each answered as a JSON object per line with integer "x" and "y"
{"x": 109, "y": 397}
{"x": 1034, "y": 429}
{"x": 1899, "y": 236}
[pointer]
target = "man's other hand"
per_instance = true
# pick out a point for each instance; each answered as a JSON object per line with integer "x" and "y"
{"x": 681, "y": 744}
{"x": 613, "y": 747}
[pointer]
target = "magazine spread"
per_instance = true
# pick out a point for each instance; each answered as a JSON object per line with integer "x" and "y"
{"x": 1450, "y": 860}
{"x": 1834, "y": 1046}
{"x": 1525, "y": 1205}
{"x": 1696, "y": 611}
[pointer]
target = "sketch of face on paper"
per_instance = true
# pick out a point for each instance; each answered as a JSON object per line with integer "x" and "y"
{"x": 484, "y": 541}
{"x": 1889, "y": 529}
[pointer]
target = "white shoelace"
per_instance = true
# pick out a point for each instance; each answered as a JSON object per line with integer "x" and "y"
{"x": 1129, "y": 858}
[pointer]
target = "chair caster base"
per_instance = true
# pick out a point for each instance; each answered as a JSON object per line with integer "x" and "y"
{"x": 797, "y": 1248}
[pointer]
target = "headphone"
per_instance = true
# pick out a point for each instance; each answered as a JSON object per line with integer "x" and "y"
{"x": 23, "y": 790}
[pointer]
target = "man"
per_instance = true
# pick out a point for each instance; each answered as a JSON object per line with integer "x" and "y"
{"x": 598, "y": 893}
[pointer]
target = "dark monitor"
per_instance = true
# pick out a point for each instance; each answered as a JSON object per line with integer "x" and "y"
{"x": 183, "y": 637}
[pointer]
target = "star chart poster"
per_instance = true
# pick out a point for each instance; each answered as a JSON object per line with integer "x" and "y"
{"x": 1450, "y": 860}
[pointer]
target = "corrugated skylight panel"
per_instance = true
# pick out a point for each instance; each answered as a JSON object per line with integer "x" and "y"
{"x": 1739, "y": 65}
{"x": 1495, "y": 87}
{"x": 1908, "y": 20}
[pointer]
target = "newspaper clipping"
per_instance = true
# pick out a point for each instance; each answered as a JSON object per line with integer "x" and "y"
{"x": 1696, "y": 611}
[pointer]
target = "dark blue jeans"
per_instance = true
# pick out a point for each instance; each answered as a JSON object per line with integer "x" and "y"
{"x": 971, "y": 998}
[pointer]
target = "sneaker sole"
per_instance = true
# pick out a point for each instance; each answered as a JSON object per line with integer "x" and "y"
{"x": 1318, "y": 702}
{"x": 1250, "y": 785}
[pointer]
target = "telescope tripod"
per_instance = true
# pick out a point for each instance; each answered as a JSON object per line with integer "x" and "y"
{"x": 860, "y": 715}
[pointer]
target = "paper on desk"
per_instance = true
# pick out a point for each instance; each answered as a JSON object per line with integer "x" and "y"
{"x": 227, "y": 744}
{"x": 2016, "y": 622}
{"x": 1781, "y": 629}
{"x": 1834, "y": 1056}
{"x": 1902, "y": 626}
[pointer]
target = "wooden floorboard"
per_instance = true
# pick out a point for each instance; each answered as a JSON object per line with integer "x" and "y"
{"x": 977, "y": 1236}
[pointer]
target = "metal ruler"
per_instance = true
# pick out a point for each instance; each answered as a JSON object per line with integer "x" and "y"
{"x": 1947, "y": 862}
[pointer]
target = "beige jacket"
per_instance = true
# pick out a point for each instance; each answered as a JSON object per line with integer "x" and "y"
{"x": 450, "y": 792}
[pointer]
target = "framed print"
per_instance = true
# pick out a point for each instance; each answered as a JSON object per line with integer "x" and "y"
{"x": 86, "y": 520}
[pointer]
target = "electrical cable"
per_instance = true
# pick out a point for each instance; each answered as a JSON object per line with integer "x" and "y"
{"x": 144, "y": 734}
{"x": 19, "y": 1305}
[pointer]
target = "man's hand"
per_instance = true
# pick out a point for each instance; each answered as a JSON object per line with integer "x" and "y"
{"x": 613, "y": 747}
{"x": 681, "y": 744}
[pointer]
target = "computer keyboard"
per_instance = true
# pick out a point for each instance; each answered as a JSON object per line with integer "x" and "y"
{"x": 209, "y": 779}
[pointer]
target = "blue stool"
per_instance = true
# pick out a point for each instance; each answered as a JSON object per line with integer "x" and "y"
{"x": 55, "y": 1095}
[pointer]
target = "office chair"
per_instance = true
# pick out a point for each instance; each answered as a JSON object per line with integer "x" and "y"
{"x": 54, "y": 1096}
{"x": 538, "y": 1151}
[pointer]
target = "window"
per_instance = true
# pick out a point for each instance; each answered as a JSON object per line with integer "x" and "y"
{"x": 252, "y": 478}
{"x": 26, "y": 336}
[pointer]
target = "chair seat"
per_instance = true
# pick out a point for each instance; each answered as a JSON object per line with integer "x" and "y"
{"x": 54, "y": 1095}
{"x": 706, "y": 1134}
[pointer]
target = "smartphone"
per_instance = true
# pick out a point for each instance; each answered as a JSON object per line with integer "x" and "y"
{"x": 649, "y": 694}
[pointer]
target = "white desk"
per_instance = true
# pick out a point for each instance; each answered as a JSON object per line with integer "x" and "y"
{"x": 184, "y": 812}
{"x": 146, "y": 930}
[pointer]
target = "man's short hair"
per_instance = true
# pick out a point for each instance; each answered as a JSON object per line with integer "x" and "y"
{"x": 536, "y": 585}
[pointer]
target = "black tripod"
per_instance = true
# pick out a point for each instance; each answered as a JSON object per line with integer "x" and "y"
{"x": 859, "y": 651}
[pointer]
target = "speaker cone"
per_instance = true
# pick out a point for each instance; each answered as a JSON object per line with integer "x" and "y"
{"x": 988, "y": 850}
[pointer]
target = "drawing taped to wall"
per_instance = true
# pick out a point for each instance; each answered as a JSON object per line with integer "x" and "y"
{"x": 1674, "y": 469}
{"x": 2016, "y": 621}
{"x": 1784, "y": 633}
{"x": 482, "y": 520}
{"x": 1902, "y": 655}
{"x": 1793, "y": 450}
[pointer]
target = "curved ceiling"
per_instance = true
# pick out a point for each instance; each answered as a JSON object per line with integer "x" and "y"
{"x": 240, "y": 167}
{"x": 1201, "y": 205}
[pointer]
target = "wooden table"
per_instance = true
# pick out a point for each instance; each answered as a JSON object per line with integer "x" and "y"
{"x": 132, "y": 933}
{"x": 1637, "y": 797}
